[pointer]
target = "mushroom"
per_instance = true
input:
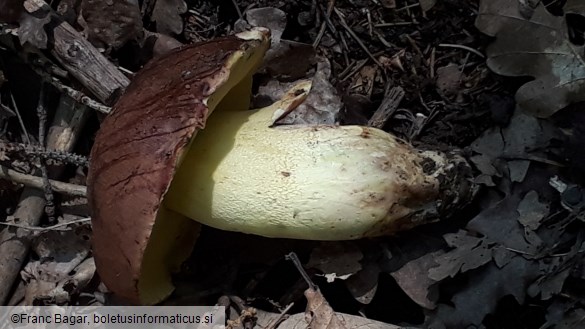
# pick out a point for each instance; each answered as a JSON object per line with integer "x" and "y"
{"x": 151, "y": 182}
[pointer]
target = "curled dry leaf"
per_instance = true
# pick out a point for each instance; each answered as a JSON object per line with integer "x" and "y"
{"x": 167, "y": 15}
{"x": 322, "y": 106}
{"x": 535, "y": 44}
{"x": 272, "y": 18}
{"x": 110, "y": 24}
{"x": 319, "y": 314}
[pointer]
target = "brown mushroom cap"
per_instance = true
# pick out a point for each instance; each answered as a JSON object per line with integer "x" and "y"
{"x": 137, "y": 151}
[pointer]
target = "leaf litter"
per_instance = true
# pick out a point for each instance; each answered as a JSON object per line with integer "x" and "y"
{"x": 538, "y": 45}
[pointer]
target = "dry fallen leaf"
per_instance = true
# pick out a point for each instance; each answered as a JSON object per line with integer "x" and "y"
{"x": 110, "y": 24}
{"x": 270, "y": 17}
{"x": 574, "y": 7}
{"x": 319, "y": 315}
{"x": 32, "y": 29}
{"x": 167, "y": 15}
{"x": 426, "y": 5}
{"x": 414, "y": 280}
{"x": 363, "y": 82}
{"x": 322, "y": 106}
{"x": 448, "y": 79}
{"x": 297, "y": 321}
{"x": 62, "y": 268}
{"x": 532, "y": 211}
{"x": 482, "y": 291}
{"x": 285, "y": 59}
{"x": 364, "y": 284}
{"x": 533, "y": 42}
{"x": 470, "y": 252}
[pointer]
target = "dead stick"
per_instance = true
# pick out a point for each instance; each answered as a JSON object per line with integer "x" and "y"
{"x": 37, "y": 182}
{"x": 356, "y": 38}
{"x": 83, "y": 60}
{"x": 15, "y": 242}
{"x": 47, "y": 188}
{"x": 389, "y": 105}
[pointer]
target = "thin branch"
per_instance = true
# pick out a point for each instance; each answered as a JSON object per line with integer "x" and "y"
{"x": 240, "y": 15}
{"x": 327, "y": 17}
{"x": 448, "y": 45}
{"x": 37, "y": 182}
{"x": 80, "y": 97}
{"x": 41, "y": 152}
{"x": 55, "y": 227}
{"x": 20, "y": 119}
{"x": 356, "y": 38}
{"x": 49, "y": 198}
{"x": 387, "y": 108}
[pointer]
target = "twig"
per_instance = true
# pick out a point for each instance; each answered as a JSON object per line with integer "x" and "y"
{"x": 80, "y": 97}
{"x": 49, "y": 199}
{"x": 37, "y": 151}
{"x": 395, "y": 24}
{"x": 235, "y": 2}
{"x": 7, "y": 109}
{"x": 389, "y": 105}
{"x": 47, "y": 228}
{"x": 383, "y": 40}
{"x": 82, "y": 60}
{"x": 272, "y": 324}
{"x": 347, "y": 69}
{"x": 432, "y": 63}
{"x": 64, "y": 131}
{"x": 448, "y": 45}
{"x": 355, "y": 69}
{"x": 356, "y": 38}
{"x": 346, "y": 47}
{"x": 370, "y": 25}
{"x": 295, "y": 260}
{"x": 47, "y": 71}
{"x": 414, "y": 46}
{"x": 26, "y": 137}
{"x": 408, "y": 7}
{"x": 327, "y": 15}
{"x": 37, "y": 182}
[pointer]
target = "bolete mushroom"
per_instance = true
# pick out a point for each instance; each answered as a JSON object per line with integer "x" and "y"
{"x": 151, "y": 181}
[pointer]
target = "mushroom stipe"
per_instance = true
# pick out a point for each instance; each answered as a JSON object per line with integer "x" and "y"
{"x": 151, "y": 182}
